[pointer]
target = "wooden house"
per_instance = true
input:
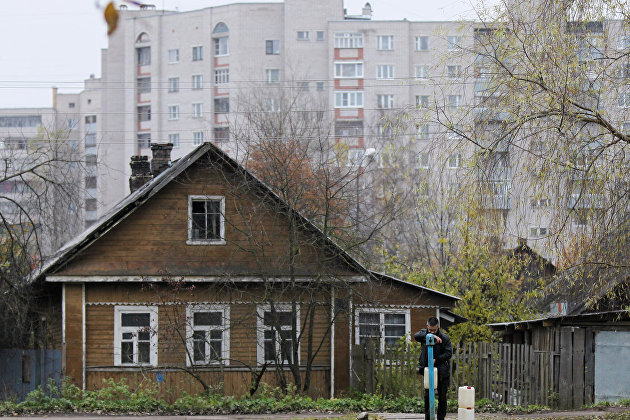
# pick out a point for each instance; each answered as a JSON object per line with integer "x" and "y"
{"x": 191, "y": 280}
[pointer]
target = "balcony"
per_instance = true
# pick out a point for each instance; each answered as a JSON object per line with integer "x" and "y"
{"x": 586, "y": 201}
{"x": 496, "y": 195}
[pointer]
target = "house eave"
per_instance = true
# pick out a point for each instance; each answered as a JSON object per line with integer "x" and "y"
{"x": 201, "y": 279}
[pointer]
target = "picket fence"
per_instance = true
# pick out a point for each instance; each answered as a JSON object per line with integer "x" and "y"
{"x": 505, "y": 373}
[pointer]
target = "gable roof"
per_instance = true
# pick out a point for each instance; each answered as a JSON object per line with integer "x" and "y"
{"x": 133, "y": 201}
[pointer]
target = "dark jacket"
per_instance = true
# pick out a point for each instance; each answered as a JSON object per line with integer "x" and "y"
{"x": 442, "y": 353}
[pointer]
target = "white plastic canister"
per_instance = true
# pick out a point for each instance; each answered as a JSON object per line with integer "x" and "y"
{"x": 465, "y": 414}
{"x": 466, "y": 397}
{"x": 426, "y": 378}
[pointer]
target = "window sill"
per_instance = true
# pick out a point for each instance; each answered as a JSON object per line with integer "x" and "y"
{"x": 205, "y": 242}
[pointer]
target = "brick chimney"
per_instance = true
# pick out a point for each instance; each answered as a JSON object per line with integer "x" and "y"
{"x": 140, "y": 172}
{"x": 161, "y": 157}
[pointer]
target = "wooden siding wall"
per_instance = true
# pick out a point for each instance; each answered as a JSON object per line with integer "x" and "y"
{"x": 152, "y": 240}
{"x": 72, "y": 351}
{"x": 101, "y": 300}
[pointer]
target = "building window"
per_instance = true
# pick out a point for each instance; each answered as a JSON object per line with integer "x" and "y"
{"x": 385, "y": 42}
{"x": 197, "y": 53}
{"x": 144, "y": 56}
{"x": 623, "y": 42}
{"x": 422, "y": 43}
{"x": 144, "y": 141}
{"x": 72, "y": 123}
{"x": 303, "y": 35}
{"x": 206, "y": 220}
{"x": 174, "y": 139}
{"x": 90, "y": 140}
{"x": 273, "y": 75}
{"x": 272, "y": 46}
{"x": 623, "y": 100}
{"x": 135, "y": 335}
{"x": 348, "y": 70}
{"x": 421, "y": 71}
{"x": 90, "y": 182}
{"x": 271, "y": 105}
{"x": 221, "y": 134}
{"x": 207, "y": 334}
{"x": 352, "y": 99}
{"x": 385, "y": 131}
{"x": 197, "y": 81}
{"x": 274, "y": 333}
{"x": 385, "y": 101}
{"x": 453, "y": 42}
{"x": 144, "y": 84}
{"x": 197, "y": 110}
{"x": 319, "y": 86}
{"x": 197, "y": 137}
{"x": 221, "y": 46}
{"x": 221, "y": 105}
{"x": 538, "y": 232}
{"x": 348, "y": 128}
{"x": 319, "y": 35}
{"x": 71, "y": 105}
{"x": 22, "y": 121}
{"x": 384, "y": 326}
{"x": 144, "y": 113}
{"x": 221, "y": 76}
{"x": 173, "y": 84}
{"x": 173, "y": 112}
{"x": 173, "y": 56}
{"x": 455, "y": 160}
{"x": 423, "y": 160}
{"x": 384, "y": 71}
{"x": 348, "y": 40}
{"x": 454, "y": 101}
{"x": 422, "y": 101}
{"x": 537, "y": 203}
{"x": 303, "y": 86}
{"x": 422, "y": 131}
{"x": 454, "y": 71}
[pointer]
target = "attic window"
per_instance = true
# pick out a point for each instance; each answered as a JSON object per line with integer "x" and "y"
{"x": 206, "y": 220}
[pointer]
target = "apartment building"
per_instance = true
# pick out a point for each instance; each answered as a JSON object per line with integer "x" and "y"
{"x": 185, "y": 78}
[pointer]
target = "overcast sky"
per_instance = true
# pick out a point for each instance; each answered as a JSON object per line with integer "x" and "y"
{"x": 47, "y": 43}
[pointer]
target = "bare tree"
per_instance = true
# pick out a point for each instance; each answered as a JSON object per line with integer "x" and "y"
{"x": 39, "y": 210}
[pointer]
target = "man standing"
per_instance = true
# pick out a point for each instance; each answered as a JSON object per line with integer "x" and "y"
{"x": 442, "y": 353}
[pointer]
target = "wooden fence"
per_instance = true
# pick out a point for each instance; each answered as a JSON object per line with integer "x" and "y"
{"x": 507, "y": 373}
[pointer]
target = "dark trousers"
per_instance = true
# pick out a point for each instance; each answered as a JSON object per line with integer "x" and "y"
{"x": 442, "y": 388}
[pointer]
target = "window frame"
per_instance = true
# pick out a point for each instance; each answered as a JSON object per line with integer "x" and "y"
{"x": 348, "y": 40}
{"x": 381, "y": 45}
{"x": 221, "y": 76}
{"x": 454, "y": 160}
{"x": 197, "y": 106}
{"x": 191, "y": 309}
{"x": 453, "y": 42}
{"x": 197, "y": 241}
{"x": 119, "y": 330}
{"x": 201, "y": 135}
{"x": 339, "y": 73}
{"x": 303, "y": 35}
{"x": 421, "y": 71}
{"x": 173, "y": 84}
{"x": 275, "y": 47}
{"x": 358, "y": 94}
{"x": 175, "y": 52}
{"x": 173, "y": 138}
{"x": 419, "y": 43}
{"x": 385, "y": 101}
{"x": 260, "y": 329}
{"x": 385, "y": 72}
{"x": 269, "y": 73}
{"x": 221, "y": 46}
{"x": 173, "y": 112}
{"x": 197, "y": 81}
{"x": 381, "y": 312}
{"x": 197, "y": 53}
